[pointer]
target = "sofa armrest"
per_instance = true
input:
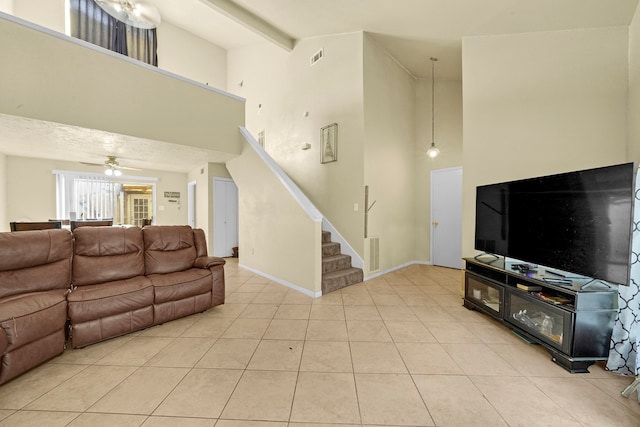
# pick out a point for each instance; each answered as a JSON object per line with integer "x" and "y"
{"x": 208, "y": 262}
{"x": 4, "y": 342}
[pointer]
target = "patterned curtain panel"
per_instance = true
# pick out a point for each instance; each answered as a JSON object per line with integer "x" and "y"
{"x": 623, "y": 351}
{"x": 92, "y": 24}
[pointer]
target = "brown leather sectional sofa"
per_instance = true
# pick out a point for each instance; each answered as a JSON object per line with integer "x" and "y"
{"x": 101, "y": 282}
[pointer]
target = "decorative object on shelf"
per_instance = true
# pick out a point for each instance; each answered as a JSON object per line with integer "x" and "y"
{"x": 329, "y": 143}
{"x": 135, "y": 13}
{"x": 433, "y": 151}
{"x": 528, "y": 287}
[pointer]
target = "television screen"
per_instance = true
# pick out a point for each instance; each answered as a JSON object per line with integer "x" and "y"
{"x": 491, "y": 218}
{"x": 578, "y": 222}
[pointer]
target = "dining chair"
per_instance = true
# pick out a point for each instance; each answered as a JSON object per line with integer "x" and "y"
{"x": 34, "y": 225}
{"x": 91, "y": 223}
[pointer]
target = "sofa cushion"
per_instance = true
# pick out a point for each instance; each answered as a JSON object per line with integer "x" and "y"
{"x": 181, "y": 284}
{"x": 91, "y": 302}
{"x": 28, "y": 317}
{"x": 106, "y": 254}
{"x": 200, "y": 242}
{"x": 31, "y": 355}
{"x": 168, "y": 249}
{"x": 38, "y": 260}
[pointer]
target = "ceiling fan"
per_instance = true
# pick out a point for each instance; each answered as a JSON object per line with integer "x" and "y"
{"x": 141, "y": 14}
{"x": 112, "y": 166}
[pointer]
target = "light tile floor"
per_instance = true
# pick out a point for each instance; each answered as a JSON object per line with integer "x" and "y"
{"x": 399, "y": 350}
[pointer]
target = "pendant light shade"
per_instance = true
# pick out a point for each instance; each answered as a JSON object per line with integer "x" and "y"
{"x": 433, "y": 151}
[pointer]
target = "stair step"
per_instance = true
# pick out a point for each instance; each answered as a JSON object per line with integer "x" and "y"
{"x": 335, "y": 263}
{"x": 330, "y": 248}
{"x": 341, "y": 279}
{"x": 326, "y": 237}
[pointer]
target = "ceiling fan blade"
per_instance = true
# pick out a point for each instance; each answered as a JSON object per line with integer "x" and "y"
{"x": 92, "y": 164}
{"x": 128, "y": 168}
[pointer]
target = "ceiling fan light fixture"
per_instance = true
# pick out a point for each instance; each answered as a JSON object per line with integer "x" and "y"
{"x": 138, "y": 14}
{"x": 112, "y": 171}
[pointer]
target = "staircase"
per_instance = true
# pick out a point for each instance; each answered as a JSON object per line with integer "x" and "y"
{"x": 337, "y": 271}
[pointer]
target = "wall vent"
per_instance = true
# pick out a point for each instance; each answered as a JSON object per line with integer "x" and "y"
{"x": 317, "y": 56}
{"x": 374, "y": 254}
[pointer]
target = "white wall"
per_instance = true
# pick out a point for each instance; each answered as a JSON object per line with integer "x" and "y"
{"x": 47, "y": 13}
{"x": 6, "y": 6}
{"x": 183, "y": 53}
{"x": 633, "y": 124}
{"x": 380, "y": 109}
{"x": 331, "y": 91}
{"x": 4, "y": 221}
{"x": 541, "y": 103}
{"x": 276, "y": 237}
{"x": 389, "y": 153}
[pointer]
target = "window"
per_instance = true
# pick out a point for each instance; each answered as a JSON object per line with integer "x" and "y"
{"x": 95, "y": 196}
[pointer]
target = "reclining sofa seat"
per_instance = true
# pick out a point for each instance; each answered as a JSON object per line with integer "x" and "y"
{"x": 111, "y": 295}
{"x": 35, "y": 276}
{"x": 185, "y": 280}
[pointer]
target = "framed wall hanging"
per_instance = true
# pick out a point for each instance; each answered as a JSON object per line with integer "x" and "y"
{"x": 329, "y": 143}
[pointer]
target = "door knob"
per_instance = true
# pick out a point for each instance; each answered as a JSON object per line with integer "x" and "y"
{"x": 435, "y": 223}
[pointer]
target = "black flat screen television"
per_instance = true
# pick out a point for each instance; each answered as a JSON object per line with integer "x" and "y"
{"x": 578, "y": 222}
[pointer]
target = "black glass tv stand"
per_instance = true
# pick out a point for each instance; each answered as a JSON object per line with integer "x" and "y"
{"x": 572, "y": 320}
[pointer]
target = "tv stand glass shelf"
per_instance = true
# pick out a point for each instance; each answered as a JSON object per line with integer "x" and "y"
{"x": 571, "y": 320}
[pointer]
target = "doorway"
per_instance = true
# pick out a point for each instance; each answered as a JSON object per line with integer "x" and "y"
{"x": 225, "y": 217}
{"x": 134, "y": 204}
{"x": 191, "y": 204}
{"x": 446, "y": 217}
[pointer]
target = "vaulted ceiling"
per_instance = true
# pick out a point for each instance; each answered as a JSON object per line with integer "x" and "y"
{"x": 410, "y": 30}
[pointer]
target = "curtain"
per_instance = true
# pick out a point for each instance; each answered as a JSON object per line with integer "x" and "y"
{"x": 92, "y": 24}
{"x": 95, "y": 197}
{"x": 623, "y": 350}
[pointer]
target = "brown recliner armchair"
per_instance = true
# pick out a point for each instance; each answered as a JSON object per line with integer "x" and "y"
{"x": 111, "y": 295}
{"x": 185, "y": 280}
{"x": 35, "y": 275}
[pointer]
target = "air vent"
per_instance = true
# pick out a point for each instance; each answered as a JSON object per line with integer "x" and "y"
{"x": 317, "y": 56}
{"x": 374, "y": 254}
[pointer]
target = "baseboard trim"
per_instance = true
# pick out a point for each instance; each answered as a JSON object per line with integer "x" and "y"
{"x": 398, "y": 267}
{"x": 290, "y": 285}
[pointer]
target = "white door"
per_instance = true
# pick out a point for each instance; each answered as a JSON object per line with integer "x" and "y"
{"x": 191, "y": 204}
{"x": 446, "y": 217}
{"x": 225, "y": 217}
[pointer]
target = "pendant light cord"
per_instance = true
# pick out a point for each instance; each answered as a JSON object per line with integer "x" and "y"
{"x": 433, "y": 90}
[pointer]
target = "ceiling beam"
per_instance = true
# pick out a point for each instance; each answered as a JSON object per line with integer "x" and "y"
{"x": 251, "y": 22}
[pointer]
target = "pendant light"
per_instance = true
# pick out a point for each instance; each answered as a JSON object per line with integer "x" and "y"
{"x": 433, "y": 150}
